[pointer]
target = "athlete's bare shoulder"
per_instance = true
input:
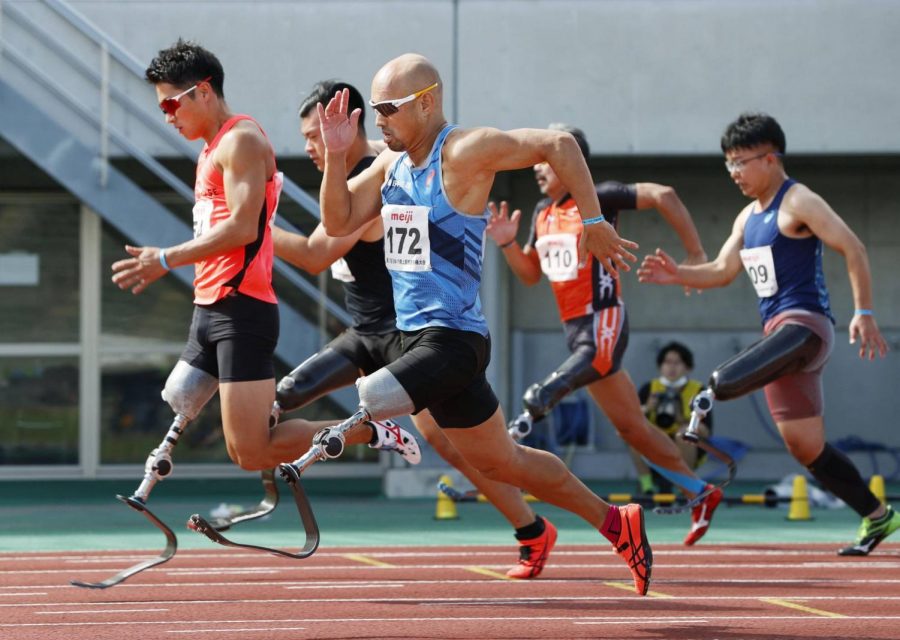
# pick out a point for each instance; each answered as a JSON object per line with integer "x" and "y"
{"x": 244, "y": 143}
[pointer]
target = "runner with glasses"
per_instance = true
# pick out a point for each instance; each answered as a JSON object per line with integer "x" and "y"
{"x": 235, "y": 323}
{"x": 373, "y": 341}
{"x": 430, "y": 189}
{"x": 778, "y": 239}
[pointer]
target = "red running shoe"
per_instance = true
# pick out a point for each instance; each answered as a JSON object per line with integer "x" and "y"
{"x": 533, "y": 554}
{"x": 701, "y": 516}
{"x": 634, "y": 547}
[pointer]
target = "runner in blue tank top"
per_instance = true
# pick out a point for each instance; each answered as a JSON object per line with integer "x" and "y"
{"x": 431, "y": 189}
{"x": 373, "y": 340}
{"x": 778, "y": 239}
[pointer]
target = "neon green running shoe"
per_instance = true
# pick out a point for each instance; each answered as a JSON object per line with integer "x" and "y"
{"x": 871, "y": 533}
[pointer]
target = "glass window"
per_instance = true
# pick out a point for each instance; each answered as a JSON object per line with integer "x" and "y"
{"x": 39, "y": 420}
{"x": 39, "y": 276}
{"x": 134, "y": 417}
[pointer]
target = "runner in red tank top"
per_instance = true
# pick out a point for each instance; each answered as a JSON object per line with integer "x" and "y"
{"x": 235, "y": 325}
{"x": 593, "y": 314}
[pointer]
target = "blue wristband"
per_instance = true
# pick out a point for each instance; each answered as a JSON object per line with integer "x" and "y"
{"x": 595, "y": 220}
{"x": 162, "y": 260}
{"x": 863, "y": 312}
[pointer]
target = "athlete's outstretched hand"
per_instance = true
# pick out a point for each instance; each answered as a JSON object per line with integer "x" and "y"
{"x": 501, "y": 226}
{"x": 604, "y": 243}
{"x": 138, "y": 272}
{"x": 659, "y": 268}
{"x": 337, "y": 128}
{"x": 870, "y": 338}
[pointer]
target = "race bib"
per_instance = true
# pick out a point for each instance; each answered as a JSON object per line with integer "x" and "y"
{"x": 559, "y": 256}
{"x": 340, "y": 270}
{"x": 202, "y": 217}
{"x": 760, "y": 266}
{"x": 406, "y": 243}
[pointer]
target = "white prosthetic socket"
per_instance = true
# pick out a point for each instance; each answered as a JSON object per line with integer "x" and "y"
{"x": 383, "y": 397}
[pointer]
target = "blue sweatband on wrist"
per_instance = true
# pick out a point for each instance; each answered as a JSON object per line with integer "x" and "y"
{"x": 595, "y": 220}
{"x": 863, "y": 312}
{"x": 162, "y": 260}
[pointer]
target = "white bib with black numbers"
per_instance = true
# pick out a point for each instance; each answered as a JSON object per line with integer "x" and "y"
{"x": 340, "y": 270}
{"x": 760, "y": 266}
{"x": 559, "y": 256}
{"x": 202, "y": 217}
{"x": 406, "y": 243}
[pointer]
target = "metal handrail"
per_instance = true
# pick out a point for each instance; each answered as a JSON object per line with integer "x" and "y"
{"x": 132, "y": 64}
{"x": 159, "y": 170}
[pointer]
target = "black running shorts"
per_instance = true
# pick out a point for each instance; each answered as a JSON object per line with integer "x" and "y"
{"x": 443, "y": 370}
{"x": 234, "y": 339}
{"x": 368, "y": 351}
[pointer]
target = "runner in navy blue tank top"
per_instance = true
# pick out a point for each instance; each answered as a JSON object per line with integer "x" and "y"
{"x": 373, "y": 341}
{"x": 431, "y": 190}
{"x": 778, "y": 239}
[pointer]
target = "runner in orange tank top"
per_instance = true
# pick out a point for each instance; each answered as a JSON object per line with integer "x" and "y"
{"x": 235, "y": 324}
{"x": 593, "y": 314}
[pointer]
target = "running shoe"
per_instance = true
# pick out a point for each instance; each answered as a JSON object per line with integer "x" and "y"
{"x": 872, "y": 532}
{"x": 533, "y": 554}
{"x": 702, "y": 514}
{"x": 390, "y": 436}
{"x": 634, "y": 547}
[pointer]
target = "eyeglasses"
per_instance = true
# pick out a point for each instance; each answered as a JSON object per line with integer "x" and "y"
{"x": 738, "y": 165}
{"x": 390, "y": 107}
{"x": 170, "y": 105}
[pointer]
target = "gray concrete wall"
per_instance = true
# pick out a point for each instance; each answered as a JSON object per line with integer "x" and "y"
{"x": 641, "y": 76}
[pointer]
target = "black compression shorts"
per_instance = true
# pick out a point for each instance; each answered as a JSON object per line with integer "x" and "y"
{"x": 442, "y": 370}
{"x": 368, "y": 351}
{"x": 233, "y": 339}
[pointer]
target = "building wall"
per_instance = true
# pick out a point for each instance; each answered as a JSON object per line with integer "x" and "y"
{"x": 641, "y": 76}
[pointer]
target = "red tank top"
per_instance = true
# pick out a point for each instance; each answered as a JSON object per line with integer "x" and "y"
{"x": 246, "y": 269}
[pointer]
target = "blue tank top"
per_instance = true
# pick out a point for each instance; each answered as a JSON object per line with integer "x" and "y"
{"x": 435, "y": 278}
{"x": 798, "y": 263}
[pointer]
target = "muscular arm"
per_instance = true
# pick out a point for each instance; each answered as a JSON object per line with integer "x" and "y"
{"x": 664, "y": 199}
{"x": 811, "y": 210}
{"x": 348, "y": 206}
{"x": 660, "y": 268}
{"x": 242, "y": 157}
{"x": 476, "y": 155}
{"x": 316, "y": 252}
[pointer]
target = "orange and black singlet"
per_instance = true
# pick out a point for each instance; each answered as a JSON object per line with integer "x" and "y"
{"x": 580, "y": 289}
{"x": 246, "y": 269}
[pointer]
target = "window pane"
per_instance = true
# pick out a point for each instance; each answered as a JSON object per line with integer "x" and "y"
{"x": 39, "y": 420}
{"x": 39, "y": 288}
{"x": 134, "y": 417}
{"x": 162, "y": 311}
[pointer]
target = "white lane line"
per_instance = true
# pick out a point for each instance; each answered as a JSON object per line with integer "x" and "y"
{"x": 464, "y": 600}
{"x": 406, "y": 620}
{"x": 92, "y": 611}
{"x": 27, "y": 593}
{"x": 219, "y": 630}
{"x": 802, "y": 549}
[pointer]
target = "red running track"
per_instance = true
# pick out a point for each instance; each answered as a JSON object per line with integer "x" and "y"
{"x": 725, "y": 592}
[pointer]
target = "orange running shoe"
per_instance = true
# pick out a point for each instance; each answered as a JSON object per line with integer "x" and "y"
{"x": 701, "y": 516}
{"x": 634, "y": 547}
{"x": 533, "y": 554}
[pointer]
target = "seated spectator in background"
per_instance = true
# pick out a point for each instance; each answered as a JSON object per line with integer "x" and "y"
{"x": 666, "y": 401}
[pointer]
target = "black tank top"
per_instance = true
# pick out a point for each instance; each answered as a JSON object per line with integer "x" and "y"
{"x": 370, "y": 298}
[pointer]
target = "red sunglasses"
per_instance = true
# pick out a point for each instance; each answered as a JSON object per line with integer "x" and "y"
{"x": 170, "y": 105}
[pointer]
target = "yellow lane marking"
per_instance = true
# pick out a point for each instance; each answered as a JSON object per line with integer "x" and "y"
{"x": 800, "y": 607}
{"x": 367, "y": 560}
{"x": 630, "y": 587}
{"x": 488, "y": 573}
